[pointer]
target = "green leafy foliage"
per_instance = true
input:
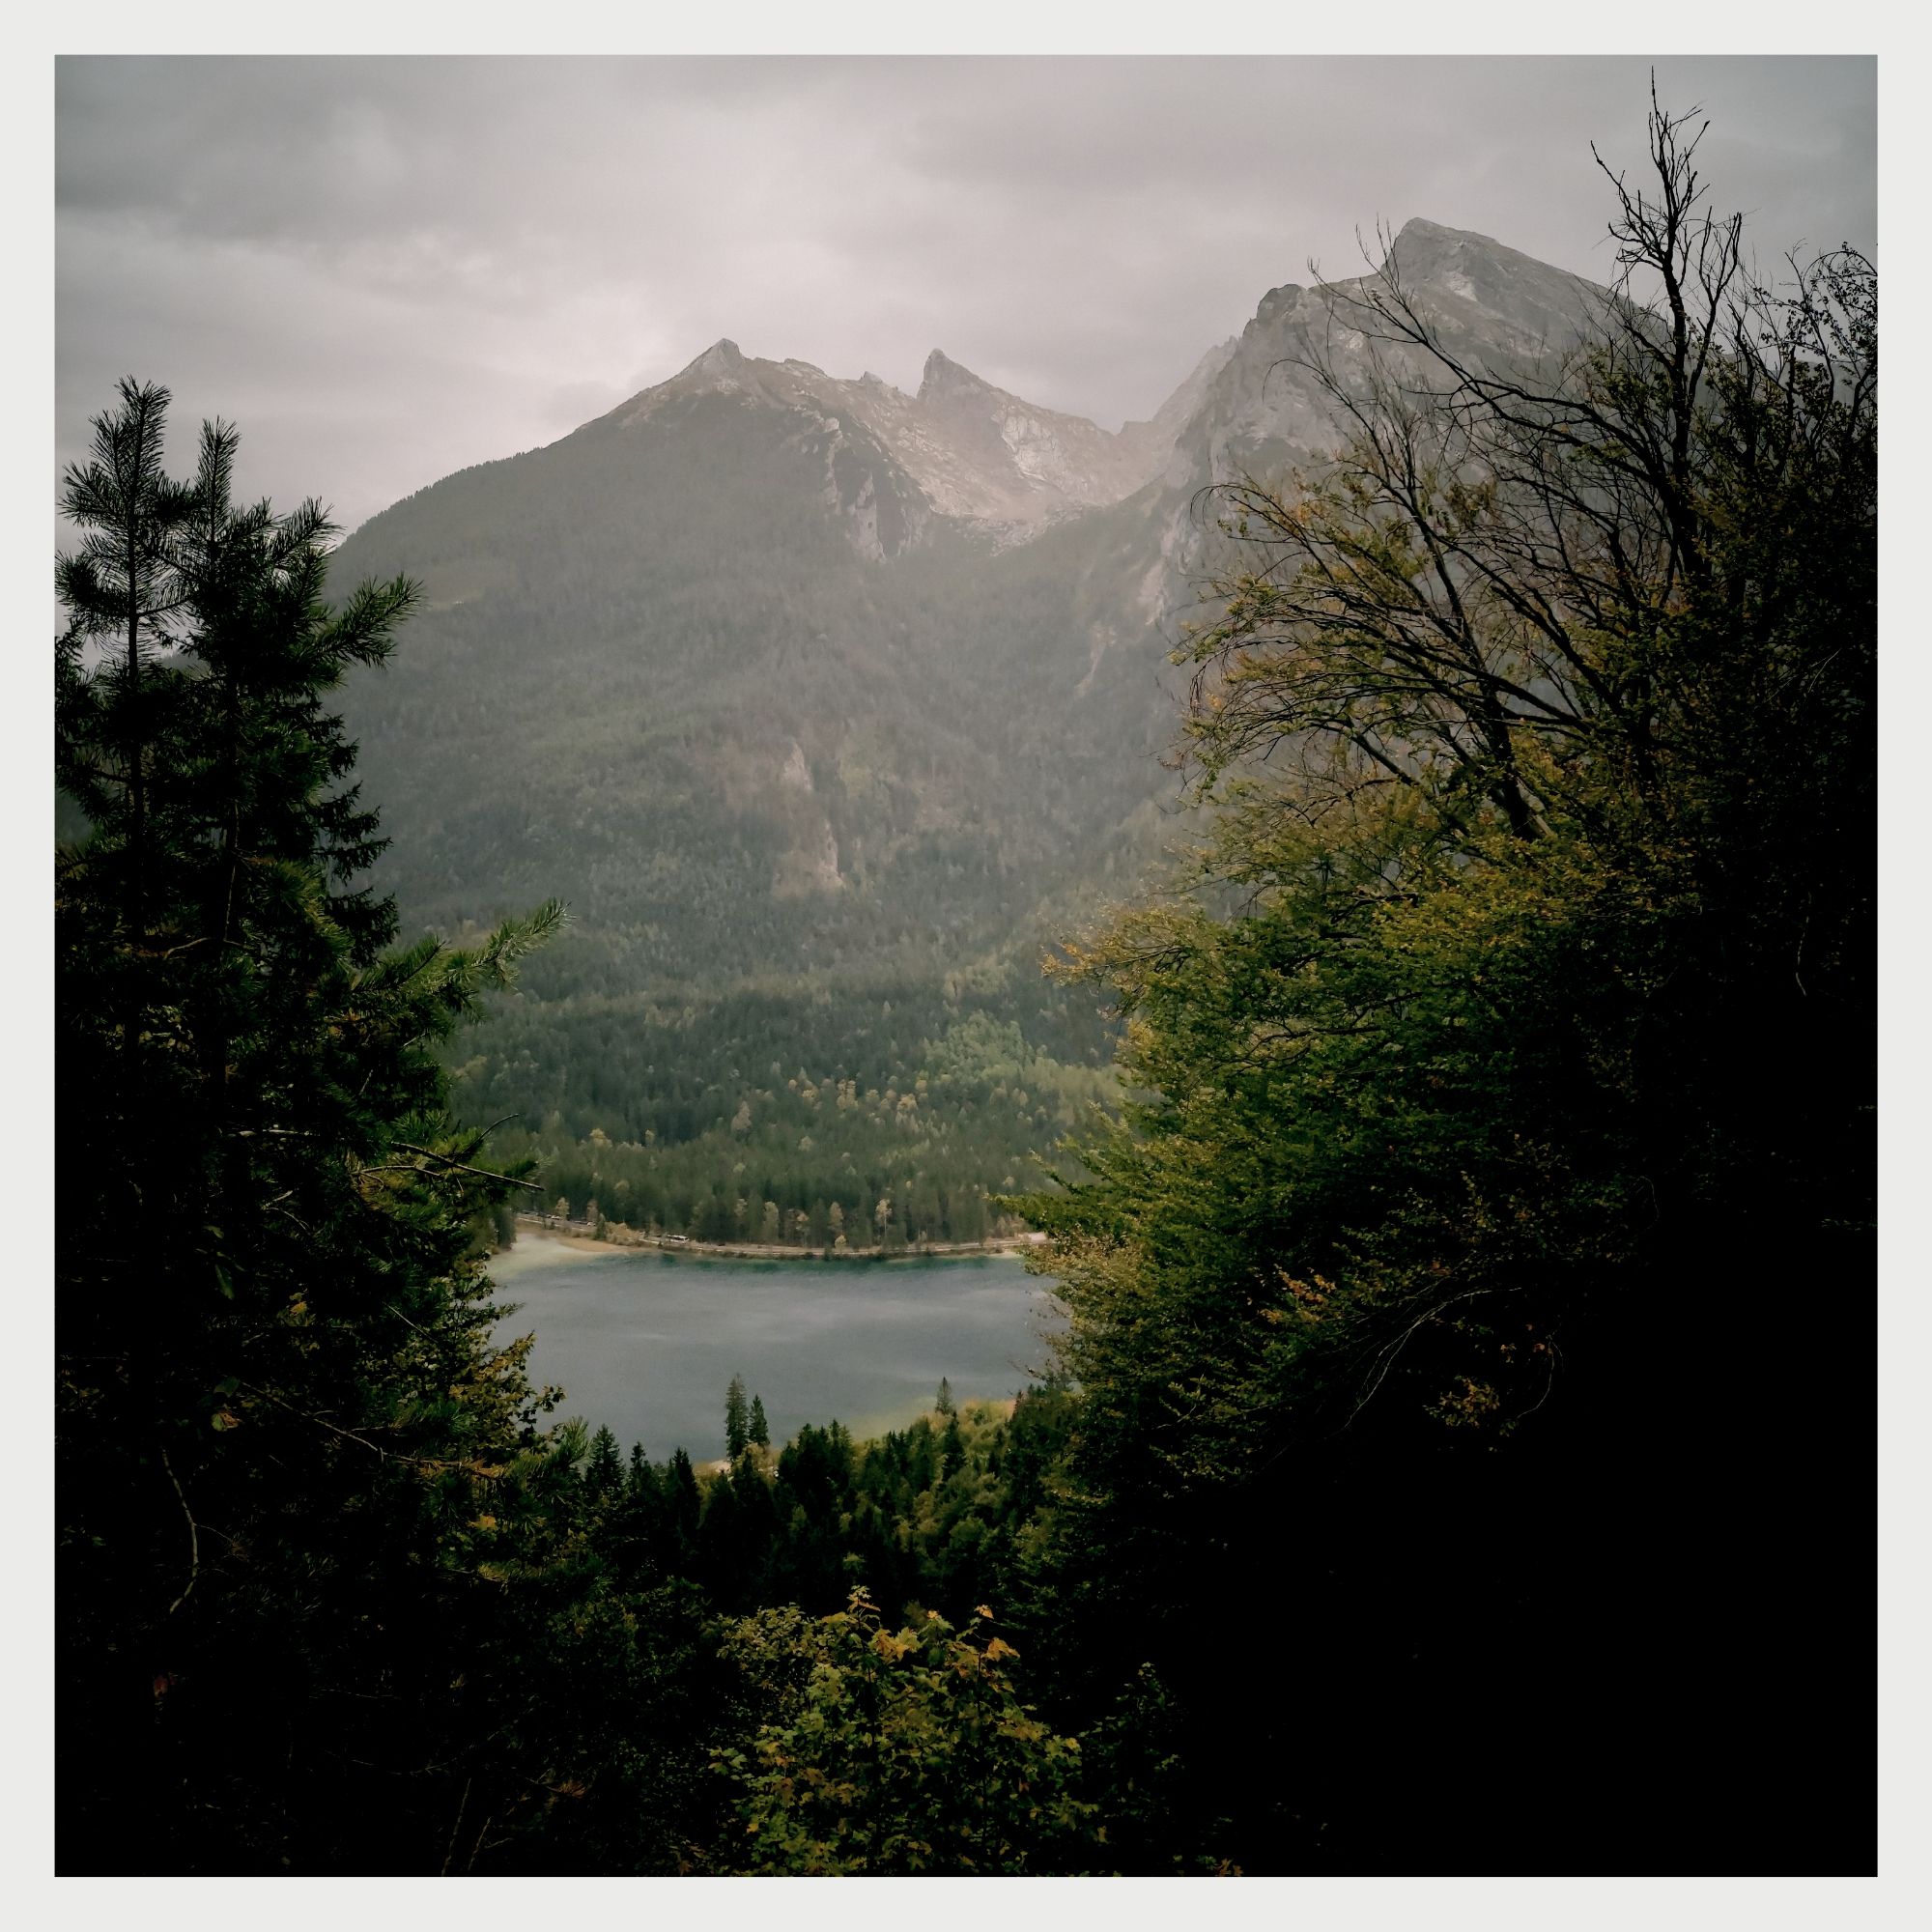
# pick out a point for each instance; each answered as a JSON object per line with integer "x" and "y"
{"x": 1500, "y": 1076}
{"x": 902, "y": 1752}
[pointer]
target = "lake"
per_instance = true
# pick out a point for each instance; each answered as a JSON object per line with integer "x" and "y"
{"x": 647, "y": 1342}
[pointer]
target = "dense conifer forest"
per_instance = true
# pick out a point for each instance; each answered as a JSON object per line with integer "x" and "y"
{"x": 927, "y": 1103}
{"x": 1459, "y": 1184}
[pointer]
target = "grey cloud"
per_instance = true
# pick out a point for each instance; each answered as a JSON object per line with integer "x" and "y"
{"x": 384, "y": 268}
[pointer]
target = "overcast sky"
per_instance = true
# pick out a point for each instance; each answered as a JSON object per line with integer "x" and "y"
{"x": 385, "y": 270}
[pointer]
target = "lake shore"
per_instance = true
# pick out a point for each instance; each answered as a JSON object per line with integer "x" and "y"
{"x": 575, "y": 1235}
{"x": 647, "y": 1344}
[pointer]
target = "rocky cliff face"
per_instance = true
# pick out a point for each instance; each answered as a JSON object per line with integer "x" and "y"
{"x": 1265, "y": 408}
{"x": 1021, "y": 460}
{"x": 1155, "y": 439}
{"x": 962, "y": 447}
{"x": 1261, "y": 411}
{"x": 1474, "y": 285}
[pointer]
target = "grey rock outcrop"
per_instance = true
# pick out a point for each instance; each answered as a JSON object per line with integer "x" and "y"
{"x": 969, "y": 450}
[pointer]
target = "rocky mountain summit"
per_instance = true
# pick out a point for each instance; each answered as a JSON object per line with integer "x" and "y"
{"x": 971, "y": 450}
{"x": 1265, "y": 406}
{"x": 964, "y": 449}
{"x": 1259, "y": 407}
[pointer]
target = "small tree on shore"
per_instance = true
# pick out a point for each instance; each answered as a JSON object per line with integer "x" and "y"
{"x": 737, "y": 1419}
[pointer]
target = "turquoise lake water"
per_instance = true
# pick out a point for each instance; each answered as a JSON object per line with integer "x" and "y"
{"x": 647, "y": 1342}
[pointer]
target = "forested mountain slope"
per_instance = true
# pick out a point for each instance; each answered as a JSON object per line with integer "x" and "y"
{"x": 782, "y": 681}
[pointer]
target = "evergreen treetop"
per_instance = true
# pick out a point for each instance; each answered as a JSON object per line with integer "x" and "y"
{"x": 737, "y": 1419}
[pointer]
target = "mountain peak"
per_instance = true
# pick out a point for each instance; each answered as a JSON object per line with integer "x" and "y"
{"x": 1479, "y": 269}
{"x": 721, "y": 360}
{"x": 1419, "y": 228}
{"x": 944, "y": 377}
{"x": 1428, "y": 248}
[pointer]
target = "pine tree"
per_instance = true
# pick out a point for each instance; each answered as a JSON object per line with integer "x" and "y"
{"x": 604, "y": 1471}
{"x": 944, "y": 1403}
{"x": 279, "y": 1412}
{"x": 737, "y": 1419}
{"x": 759, "y": 1431}
{"x": 118, "y": 588}
{"x": 682, "y": 1498}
